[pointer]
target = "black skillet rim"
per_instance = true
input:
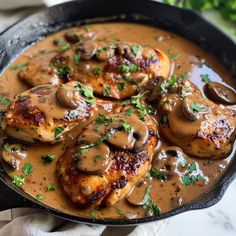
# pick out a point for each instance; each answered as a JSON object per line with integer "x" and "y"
{"x": 212, "y": 198}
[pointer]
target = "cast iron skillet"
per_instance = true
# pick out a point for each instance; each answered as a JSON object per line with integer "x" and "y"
{"x": 183, "y": 22}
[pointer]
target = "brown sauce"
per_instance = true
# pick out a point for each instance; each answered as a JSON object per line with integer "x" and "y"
{"x": 166, "y": 194}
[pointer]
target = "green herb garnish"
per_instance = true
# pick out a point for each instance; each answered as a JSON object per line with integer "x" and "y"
{"x": 18, "y": 66}
{"x": 51, "y": 187}
{"x": 48, "y": 158}
{"x": 18, "y": 180}
{"x": 27, "y": 169}
{"x": 97, "y": 70}
{"x": 129, "y": 111}
{"x": 77, "y": 58}
{"x": 205, "y": 78}
{"x": 39, "y": 196}
{"x": 7, "y": 148}
{"x": 196, "y": 107}
{"x": 121, "y": 86}
{"x": 135, "y": 49}
{"x": 58, "y": 131}
{"x": 92, "y": 213}
{"x": 103, "y": 119}
{"x": 129, "y": 68}
{"x": 4, "y": 101}
{"x": 127, "y": 127}
{"x": 98, "y": 156}
{"x": 106, "y": 91}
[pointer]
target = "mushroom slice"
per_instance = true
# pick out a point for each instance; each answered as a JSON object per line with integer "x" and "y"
{"x": 137, "y": 195}
{"x": 87, "y": 49}
{"x": 93, "y": 156}
{"x": 68, "y": 96}
{"x": 220, "y": 93}
{"x": 13, "y": 154}
{"x": 128, "y": 133}
{"x": 192, "y": 110}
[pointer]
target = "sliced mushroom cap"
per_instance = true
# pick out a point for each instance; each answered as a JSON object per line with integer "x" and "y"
{"x": 13, "y": 155}
{"x": 72, "y": 37}
{"x": 87, "y": 49}
{"x": 192, "y": 110}
{"x": 219, "y": 93}
{"x": 155, "y": 87}
{"x": 137, "y": 195}
{"x": 96, "y": 159}
{"x": 68, "y": 96}
{"x": 128, "y": 133}
{"x": 104, "y": 54}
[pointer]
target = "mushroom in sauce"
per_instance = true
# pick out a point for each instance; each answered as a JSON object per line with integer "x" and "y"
{"x": 220, "y": 93}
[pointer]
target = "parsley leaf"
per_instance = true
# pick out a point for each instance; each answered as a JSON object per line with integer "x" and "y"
{"x": 121, "y": 86}
{"x": 58, "y": 131}
{"x": 77, "y": 58}
{"x": 129, "y": 68}
{"x": 39, "y": 196}
{"x": 92, "y": 213}
{"x": 18, "y": 180}
{"x": 103, "y": 119}
{"x": 205, "y": 78}
{"x": 135, "y": 49}
{"x": 196, "y": 107}
{"x": 127, "y": 127}
{"x": 51, "y": 187}
{"x": 7, "y": 148}
{"x": 18, "y": 66}
{"x": 129, "y": 111}
{"x": 27, "y": 169}
{"x": 97, "y": 70}
{"x": 48, "y": 158}
{"x": 106, "y": 91}
{"x": 4, "y": 101}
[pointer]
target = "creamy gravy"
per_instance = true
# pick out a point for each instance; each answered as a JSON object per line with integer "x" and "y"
{"x": 185, "y": 58}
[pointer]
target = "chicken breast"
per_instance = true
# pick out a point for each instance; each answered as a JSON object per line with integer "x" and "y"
{"x": 45, "y": 113}
{"x": 197, "y": 125}
{"x": 111, "y": 155}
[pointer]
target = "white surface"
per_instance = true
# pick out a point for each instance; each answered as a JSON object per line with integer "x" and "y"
{"x": 219, "y": 220}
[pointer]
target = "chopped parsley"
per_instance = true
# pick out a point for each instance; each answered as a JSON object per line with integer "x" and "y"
{"x": 121, "y": 86}
{"x": 18, "y": 66}
{"x": 131, "y": 81}
{"x": 18, "y": 180}
{"x": 205, "y": 78}
{"x": 27, "y": 169}
{"x": 4, "y": 101}
{"x": 58, "y": 131}
{"x": 64, "y": 46}
{"x": 39, "y": 196}
{"x": 129, "y": 111}
{"x": 126, "y": 126}
{"x": 92, "y": 213}
{"x": 51, "y": 187}
{"x": 169, "y": 83}
{"x": 98, "y": 156}
{"x": 106, "y": 91}
{"x": 77, "y": 58}
{"x": 97, "y": 70}
{"x": 48, "y": 158}
{"x": 99, "y": 50}
{"x": 142, "y": 109}
{"x": 161, "y": 175}
{"x": 87, "y": 92}
{"x": 165, "y": 120}
{"x": 64, "y": 71}
{"x": 196, "y": 107}
{"x": 174, "y": 57}
{"x": 7, "y": 148}
{"x": 128, "y": 68}
{"x": 103, "y": 119}
{"x": 119, "y": 212}
{"x": 135, "y": 49}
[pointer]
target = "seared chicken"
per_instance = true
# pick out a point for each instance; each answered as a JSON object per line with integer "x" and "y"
{"x": 197, "y": 125}
{"x": 113, "y": 69}
{"x": 46, "y": 112}
{"x": 111, "y": 155}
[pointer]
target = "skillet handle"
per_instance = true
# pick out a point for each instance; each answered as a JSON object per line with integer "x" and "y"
{"x": 11, "y": 199}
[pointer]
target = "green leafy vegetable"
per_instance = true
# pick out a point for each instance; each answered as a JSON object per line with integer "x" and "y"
{"x": 63, "y": 71}
{"x": 77, "y": 58}
{"x": 135, "y": 49}
{"x": 97, "y": 70}
{"x": 27, "y": 169}
{"x": 106, "y": 91}
{"x": 227, "y": 8}
{"x": 103, "y": 119}
{"x": 18, "y": 66}
{"x": 58, "y": 131}
{"x": 48, "y": 158}
{"x": 121, "y": 86}
{"x": 196, "y": 107}
{"x": 205, "y": 78}
{"x": 126, "y": 126}
{"x": 129, "y": 111}
{"x": 98, "y": 156}
{"x": 39, "y": 196}
{"x": 51, "y": 187}
{"x": 7, "y": 148}
{"x": 4, "y": 101}
{"x": 129, "y": 68}
{"x": 92, "y": 213}
{"x": 18, "y": 180}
